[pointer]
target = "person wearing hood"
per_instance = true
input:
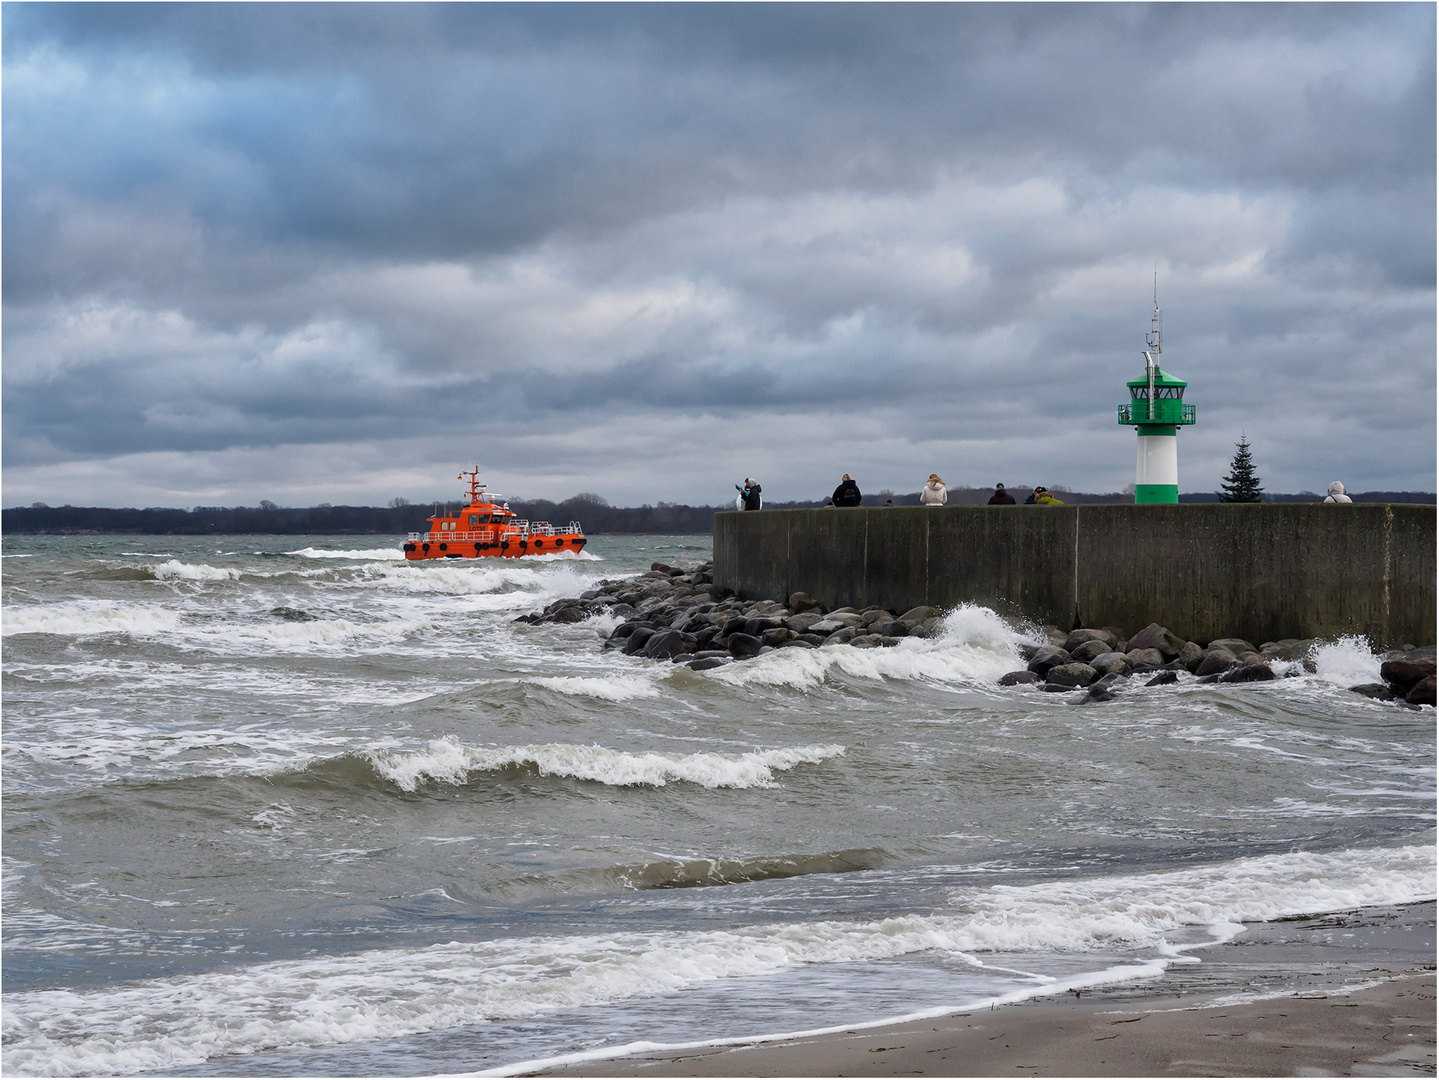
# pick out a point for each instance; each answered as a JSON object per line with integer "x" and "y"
{"x": 847, "y": 494}
{"x": 1336, "y": 494}
{"x": 1001, "y": 497}
{"x": 1042, "y": 497}
{"x": 749, "y": 495}
{"x": 933, "y": 493}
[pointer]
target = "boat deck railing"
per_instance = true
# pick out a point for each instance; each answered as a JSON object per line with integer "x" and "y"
{"x": 517, "y": 529}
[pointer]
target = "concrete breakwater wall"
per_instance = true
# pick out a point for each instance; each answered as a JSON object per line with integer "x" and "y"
{"x": 1261, "y": 572}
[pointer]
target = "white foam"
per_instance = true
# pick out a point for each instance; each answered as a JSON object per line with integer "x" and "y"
{"x": 976, "y": 646}
{"x": 450, "y": 762}
{"x": 361, "y": 553}
{"x": 169, "y": 1023}
{"x": 609, "y": 688}
{"x": 174, "y": 570}
{"x": 1347, "y": 662}
{"x": 80, "y": 619}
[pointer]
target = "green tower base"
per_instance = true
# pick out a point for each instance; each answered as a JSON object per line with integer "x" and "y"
{"x": 1156, "y": 493}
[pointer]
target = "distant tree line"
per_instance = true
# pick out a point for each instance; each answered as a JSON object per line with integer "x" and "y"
{"x": 592, "y": 512}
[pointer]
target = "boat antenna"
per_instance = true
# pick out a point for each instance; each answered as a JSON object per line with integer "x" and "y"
{"x": 1151, "y": 354}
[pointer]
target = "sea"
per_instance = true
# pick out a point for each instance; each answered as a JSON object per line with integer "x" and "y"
{"x": 281, "y": 806}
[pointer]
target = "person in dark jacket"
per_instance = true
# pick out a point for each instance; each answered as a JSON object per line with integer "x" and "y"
{"x": 847, "y": 494}
{"x": 749, "y": 495}
{"x": 1030, "y": 501}
{"x": 1001, "y": 497}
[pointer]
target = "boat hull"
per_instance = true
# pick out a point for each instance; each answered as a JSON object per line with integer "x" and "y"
{"x": 423, "y": 550}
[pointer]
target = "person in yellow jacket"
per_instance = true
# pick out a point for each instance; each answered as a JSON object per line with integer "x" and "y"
{"x": 1042, "y": 497}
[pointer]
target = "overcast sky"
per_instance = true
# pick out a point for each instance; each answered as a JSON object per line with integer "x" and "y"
{"x": 333, "y": 253}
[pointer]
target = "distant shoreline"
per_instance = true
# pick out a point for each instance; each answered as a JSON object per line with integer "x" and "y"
{"x": 595, "y": 516}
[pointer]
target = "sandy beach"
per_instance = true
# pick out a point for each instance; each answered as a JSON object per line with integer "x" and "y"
{"x": 1341, "y": 995}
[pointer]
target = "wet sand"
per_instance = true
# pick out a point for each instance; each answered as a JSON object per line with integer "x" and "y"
{"x": 1342, "y": 995}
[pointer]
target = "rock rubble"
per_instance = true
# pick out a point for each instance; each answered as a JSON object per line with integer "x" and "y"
{"x": 681, "y": 615}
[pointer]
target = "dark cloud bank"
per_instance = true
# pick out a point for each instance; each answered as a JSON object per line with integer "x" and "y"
{"x": 332, "y": 252}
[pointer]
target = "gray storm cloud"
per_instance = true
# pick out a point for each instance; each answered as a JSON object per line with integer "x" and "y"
{"x": 328, "y": 253}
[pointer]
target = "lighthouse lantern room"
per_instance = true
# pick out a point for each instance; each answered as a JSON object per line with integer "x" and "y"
{"x": 1156, "y": 410}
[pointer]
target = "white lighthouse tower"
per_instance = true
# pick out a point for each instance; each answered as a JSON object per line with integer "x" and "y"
{"x": 1156, "y": 410}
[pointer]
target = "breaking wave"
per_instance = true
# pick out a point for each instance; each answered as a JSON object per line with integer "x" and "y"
{"x": 334, "y": 1000}
{"x": 448, "y": 762}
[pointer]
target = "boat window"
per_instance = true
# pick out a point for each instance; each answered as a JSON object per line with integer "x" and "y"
{"x": 474, "y": 520}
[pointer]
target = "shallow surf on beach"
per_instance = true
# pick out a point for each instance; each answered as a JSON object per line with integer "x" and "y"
{"x": 290, "y": 805}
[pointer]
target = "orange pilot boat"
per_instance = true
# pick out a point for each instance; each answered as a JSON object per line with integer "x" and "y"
{"x": 485, "y": 529}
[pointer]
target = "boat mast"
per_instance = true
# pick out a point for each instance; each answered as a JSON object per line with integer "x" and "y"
{"x": 1151, "y": 354}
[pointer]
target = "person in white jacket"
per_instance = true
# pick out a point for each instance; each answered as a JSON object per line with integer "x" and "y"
{"x": 1336, "y": 494}
{"x": 934, "y": 493}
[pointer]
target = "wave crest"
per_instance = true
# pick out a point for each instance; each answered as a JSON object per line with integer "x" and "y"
{"x": 448, "y": 762}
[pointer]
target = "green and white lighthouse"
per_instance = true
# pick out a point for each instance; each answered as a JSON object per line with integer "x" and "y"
{"x": 1156, "y": 410}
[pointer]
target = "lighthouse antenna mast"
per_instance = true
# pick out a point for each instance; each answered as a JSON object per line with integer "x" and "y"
{"x": 1152, "y": 340}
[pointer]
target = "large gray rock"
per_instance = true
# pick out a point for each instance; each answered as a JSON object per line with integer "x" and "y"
{"x": 778, "y": 635}
{"x": 666, "y": 644}
{"x": 636, "y": 641}
{"x": 866, "y": 641}
{"x": 1112, "y": 663}
{"x": 1191, "y": 655}
{"x": 1046, "y": 658}
{"x": 1422, "y": 692}
{"x": 1071, "y": 675}
{"x": 1249, "y": 673}
{"x": 1151, "y": 657}
{"x": 1233, "y": 644}
{"x": 1086, "y": 651}
{"x": 708, "y": 663}
{"x": 1018, "y": 678}
{"x": 1216, "y": 663}
{"x": 929, "y": 628}
{"x": 1377, "y": 690}
{"x": 1158, "y": 637}
{"x": 758, "y": 624}
{"x": 1079, "y": 637}
{"x": 833, "y": 621}
{"x": 802, "y": 622}
{"x": 803, "y": 601}
{"x": 744, "y": 645}
{"x": 895, "y": 628}
{"x": 1405, "y": 674}
{"x": 842, "y": 636}
{"x": 1164, "y": 678}
{"x": 919, "y": 614}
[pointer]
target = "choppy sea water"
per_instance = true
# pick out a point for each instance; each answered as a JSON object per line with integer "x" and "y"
{"x": 292, "y": 806}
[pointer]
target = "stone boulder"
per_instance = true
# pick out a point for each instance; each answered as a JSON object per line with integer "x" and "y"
{"x": 1086, "y": 651}
{"x": 667, "y": 644}
{"x": 778, "y": 635}
{"x": 919, "y": 614}
{"x": 1158, "y": 637}
{"x": 1216, "y": 663}
{"x": 802, "y": 622}
{"x": 836, "y": 621}
{"x": 803, "y": 601}
{"x": 842, "y": 636}
{"x": 1070, "y": 675}
{"x": 1046, "y": 658}
{"x": 1422, "y": 693}
{"x": 1112, "y": 663}
{"x": 1018, "y": 678}
{"x": 1233, "y": 644}
{"x": 1405, "y": 674}
{"x": 928, "y": 628}
{"x": 1190, "y": 655}
{"x": 1164, "y": 678}
{"x": 636, "y": 641}
{"x": 1249, "y": 673}
{"x": 1077, "y": 638}
{"x": 742, "y": 646}
{"x": 1152, "y": 658}
{"x": 1376, "y": 690}
{"x": 708, "y": 663}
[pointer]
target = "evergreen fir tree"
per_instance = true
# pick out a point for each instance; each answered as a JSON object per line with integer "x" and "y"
{"x": 1241, "y": 485}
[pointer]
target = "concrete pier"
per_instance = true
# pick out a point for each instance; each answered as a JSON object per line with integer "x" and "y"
{"x": 1257, "y": 571}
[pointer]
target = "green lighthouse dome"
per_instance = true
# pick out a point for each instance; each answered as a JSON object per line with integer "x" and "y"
{"x": 1167, "y": 406}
